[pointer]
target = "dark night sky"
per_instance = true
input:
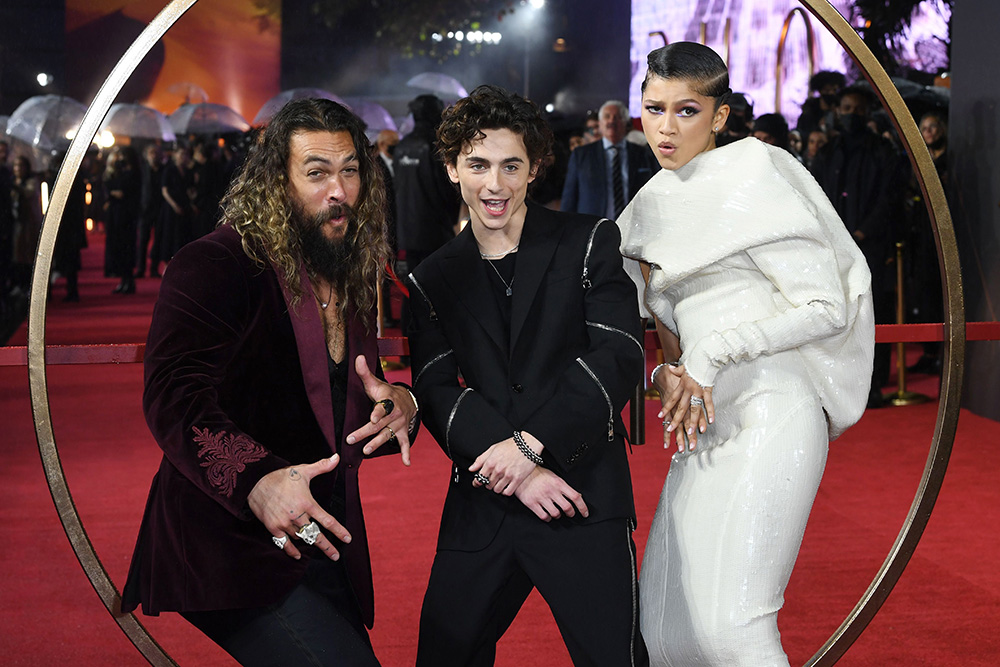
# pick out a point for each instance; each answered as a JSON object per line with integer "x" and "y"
{"x": 350, "y": 62}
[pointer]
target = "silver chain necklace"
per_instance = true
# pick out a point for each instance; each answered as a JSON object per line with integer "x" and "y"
{"x": 510, "y": 285}
{"x": 499, "y": 255}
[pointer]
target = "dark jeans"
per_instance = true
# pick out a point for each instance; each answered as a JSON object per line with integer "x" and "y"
{"x": 317, "y": 624}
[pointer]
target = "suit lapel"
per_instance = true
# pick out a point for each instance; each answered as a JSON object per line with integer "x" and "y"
{"x": 463, "y": 263}
{"x": 311, "y": 343}
{"x": 537, "y": 245}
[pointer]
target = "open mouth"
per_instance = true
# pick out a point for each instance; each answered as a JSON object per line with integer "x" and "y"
{"x": 495, "y": 206}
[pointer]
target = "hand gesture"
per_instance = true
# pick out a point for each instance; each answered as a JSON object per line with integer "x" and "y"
{"x": 281, "y": 500}
{"x": 685, "y": 404}
{"x": 549, "y": 496}
{"x": 504, "y": 466}
{"x": 384, "y": 426}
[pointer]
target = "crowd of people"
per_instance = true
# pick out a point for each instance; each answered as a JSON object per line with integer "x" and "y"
{"x": 147, "y": 207}
{"x": 760, "y": 254}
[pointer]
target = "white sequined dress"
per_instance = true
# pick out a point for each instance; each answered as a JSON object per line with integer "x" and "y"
{"x": 770, "y": 297}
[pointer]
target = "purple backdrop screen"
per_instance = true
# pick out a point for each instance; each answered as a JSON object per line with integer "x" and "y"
{"x": 755, "y": 30}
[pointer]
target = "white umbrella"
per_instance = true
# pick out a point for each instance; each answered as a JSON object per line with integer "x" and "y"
{"x": 191, "y": 92}
{"x": 44, "y": 121}
{"x": 137, "y": 121}
{"x": 273, "y": 105}
{"x": 207, "y": 118}
{"x": 446, "y": 87}
{"x": 376, "y": 117}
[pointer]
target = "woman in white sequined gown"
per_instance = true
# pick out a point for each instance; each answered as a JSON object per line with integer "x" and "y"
{"x": 764, "y": 299}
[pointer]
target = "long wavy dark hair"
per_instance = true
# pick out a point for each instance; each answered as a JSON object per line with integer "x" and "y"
{"x": 258, "y": 204}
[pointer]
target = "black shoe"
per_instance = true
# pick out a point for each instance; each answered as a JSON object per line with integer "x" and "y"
{"x": 129, "y": 287}
{"x": 875, "y": 399}
{"x": 118, "y": 288}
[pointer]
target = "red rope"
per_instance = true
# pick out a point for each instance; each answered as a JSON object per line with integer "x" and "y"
{"x": 61, "y": 355}
{"x": 395, "y": 279}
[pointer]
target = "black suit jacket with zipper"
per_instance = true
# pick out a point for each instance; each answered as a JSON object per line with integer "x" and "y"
{"x": 572, "y": 361}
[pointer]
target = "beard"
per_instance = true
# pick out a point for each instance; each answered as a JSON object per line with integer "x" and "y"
{"x": 334, "y": 258}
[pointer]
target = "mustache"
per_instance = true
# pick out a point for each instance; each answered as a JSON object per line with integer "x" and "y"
{"x": 332, "y": 211}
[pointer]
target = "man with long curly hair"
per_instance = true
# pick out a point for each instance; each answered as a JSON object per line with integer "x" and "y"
{"x": 260, "y": 389}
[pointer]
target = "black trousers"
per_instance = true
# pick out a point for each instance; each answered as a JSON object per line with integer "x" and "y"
{"x": 317, "y": 624}
{"x": 585, "y": 572}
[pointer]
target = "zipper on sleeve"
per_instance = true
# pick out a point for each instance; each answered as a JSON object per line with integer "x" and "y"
{"x": 433, "y": 314}
{"x": 584, "y": 280}
{"x": 611, "y": 407}
{"x": 616, "y": 330}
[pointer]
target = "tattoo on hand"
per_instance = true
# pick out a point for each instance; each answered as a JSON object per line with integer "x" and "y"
{"x": 294, "y": 474}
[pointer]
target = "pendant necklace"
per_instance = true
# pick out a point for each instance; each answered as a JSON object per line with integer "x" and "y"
{"x": 510, "y": 285}
{"x": 322, "y": 304}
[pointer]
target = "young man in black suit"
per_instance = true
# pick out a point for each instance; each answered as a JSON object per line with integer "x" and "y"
{"x": 533, "y": 310}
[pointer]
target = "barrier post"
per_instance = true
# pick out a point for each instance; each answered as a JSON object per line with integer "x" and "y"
{"x": 901, "y": 396}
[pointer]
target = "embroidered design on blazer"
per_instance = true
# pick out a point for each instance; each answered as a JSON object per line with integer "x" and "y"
{"x": 226, "y": 457}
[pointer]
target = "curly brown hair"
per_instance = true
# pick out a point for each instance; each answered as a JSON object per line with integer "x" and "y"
{"x": 493, "y": 108}
{"x": 258, "y": 204}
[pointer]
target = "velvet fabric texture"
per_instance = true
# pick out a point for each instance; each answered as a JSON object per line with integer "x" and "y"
{"x": 237, "y": 386}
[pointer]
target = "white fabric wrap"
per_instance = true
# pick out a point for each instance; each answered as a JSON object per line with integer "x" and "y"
{"x": 749, "y": 197}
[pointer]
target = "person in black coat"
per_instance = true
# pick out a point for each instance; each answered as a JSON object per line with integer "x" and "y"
{"x": 122, "y": 185}
{"x": 533, "y": 309}
{"x": 858, "y": 170}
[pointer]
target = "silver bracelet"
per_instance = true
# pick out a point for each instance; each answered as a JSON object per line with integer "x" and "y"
{"x": 652, "y": 376}
{"x": 527, "y": 451}
{"x": 416, "y": 412}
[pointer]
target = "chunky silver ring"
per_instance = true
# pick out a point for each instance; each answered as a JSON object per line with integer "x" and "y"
{"x": 666, "y": 422}
{"x": 483, "y": 479}
{"x": 388, "y": 405}
{"x": 309, "y": 533}
{"x": 697, "y": 402}
{"x": 280, "y": 541}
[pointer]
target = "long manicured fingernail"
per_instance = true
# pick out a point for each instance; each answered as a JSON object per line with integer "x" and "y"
{"x": 690, "y": 430}
{"x": 702, "y": 429}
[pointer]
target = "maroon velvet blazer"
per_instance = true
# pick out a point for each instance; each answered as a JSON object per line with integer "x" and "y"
{"x": 237, "y": 386}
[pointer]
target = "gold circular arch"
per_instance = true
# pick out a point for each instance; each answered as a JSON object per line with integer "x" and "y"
{"x": 779, "y": 60}
{"x": 948, "y": 408}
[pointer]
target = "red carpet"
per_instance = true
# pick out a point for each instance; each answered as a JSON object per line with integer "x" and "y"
{"x": 944, "y": 611}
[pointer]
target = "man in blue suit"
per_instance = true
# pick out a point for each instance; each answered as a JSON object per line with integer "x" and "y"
{"x": 603, "y": 176}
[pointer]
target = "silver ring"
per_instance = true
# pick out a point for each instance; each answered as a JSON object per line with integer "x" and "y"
{"x": 309, "y": 533}
{"x": 483, "y": 479}
{"x": 697, "y": 402}
{"x": 279, "y": 541}
{"x": 666, "y": 422}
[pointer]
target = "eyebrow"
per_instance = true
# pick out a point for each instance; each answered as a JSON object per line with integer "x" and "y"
{"x": 482, "y": 160}
{"x": 689, "y": 100}
{"x": 353, "y": 157}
